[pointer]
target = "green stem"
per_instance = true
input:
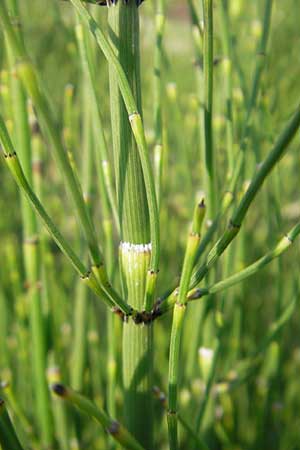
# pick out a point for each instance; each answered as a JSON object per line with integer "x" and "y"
{"x": 178, "y": 319}
{"x": 227, "y": 70}
{"x": 210, "y": 184}
{"x": 101, "y": 153}
{"x": 132, "y": 107}
{"x": 240, "y": 212}
{"x": 196, "y": 293}
{"x": 16, "y": 170}
{"x": 282, "y": 246}
{"x": 115, "y": 429}
{"x": 135, "y": 195}
{"x": 158, "y": 87}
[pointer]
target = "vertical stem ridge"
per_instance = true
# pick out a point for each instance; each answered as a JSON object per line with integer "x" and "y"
{"x": 135, "y": 251}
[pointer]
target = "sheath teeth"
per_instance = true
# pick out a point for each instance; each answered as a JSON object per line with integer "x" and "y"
{"x": 127, "y": 247}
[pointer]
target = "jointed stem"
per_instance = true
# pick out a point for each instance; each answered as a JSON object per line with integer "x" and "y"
{"x": 136, "y": 198}
{"x": 136, "y": 125}
{"x": 178, "y": 319}
{"x": 241, "y": 210}
{"x": 17, "y": 172}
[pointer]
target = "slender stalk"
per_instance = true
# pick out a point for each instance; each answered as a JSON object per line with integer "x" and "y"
{"x": 210, "y": 176}
{"x": 163, "y": 400}
{"x": 227, "y": 70}
{"x": 14, "y": 166}
{"x": 115, "y": 429}
{"x": 283, "y": 245}
{"x": 241, "y": 210}
{"x": 101, "y": 153}
{"x": 158, "y": 88}
{"x": 178, "y": 318}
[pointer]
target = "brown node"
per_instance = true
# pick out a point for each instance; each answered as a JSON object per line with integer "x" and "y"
{"x": 119, "y": 313}
{"x": 59, "y": 389}
{"x": 113, "y": 428}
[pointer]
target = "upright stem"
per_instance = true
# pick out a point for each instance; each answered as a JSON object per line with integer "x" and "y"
{"x": 135, "y": 248}
{"x": 210, "y": 184}
{"x": 178, "y": 321}
{"x": 227, "y": 71}
{"x": 158, "y": 87}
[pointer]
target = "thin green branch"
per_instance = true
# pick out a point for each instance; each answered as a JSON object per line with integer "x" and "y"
{"x": 240, "y": 212}
{"x": 101, "y": 152}
{"x": 17, "y": 172}
{"x": 196, "y": 293}
{"x": 114, "y": 428}
{"x": 178, "y": 320}
{"x": 26, "y": 73}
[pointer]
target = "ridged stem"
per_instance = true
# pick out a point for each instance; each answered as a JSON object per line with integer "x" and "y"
{"x": 132, "y": 108}
{"x": 158, "y": 93}
{"x": 209, "y": 157}
{"x": 137, "y": 348}
{"x": 135, "y": 248}
{"x": 178, "y": 320}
